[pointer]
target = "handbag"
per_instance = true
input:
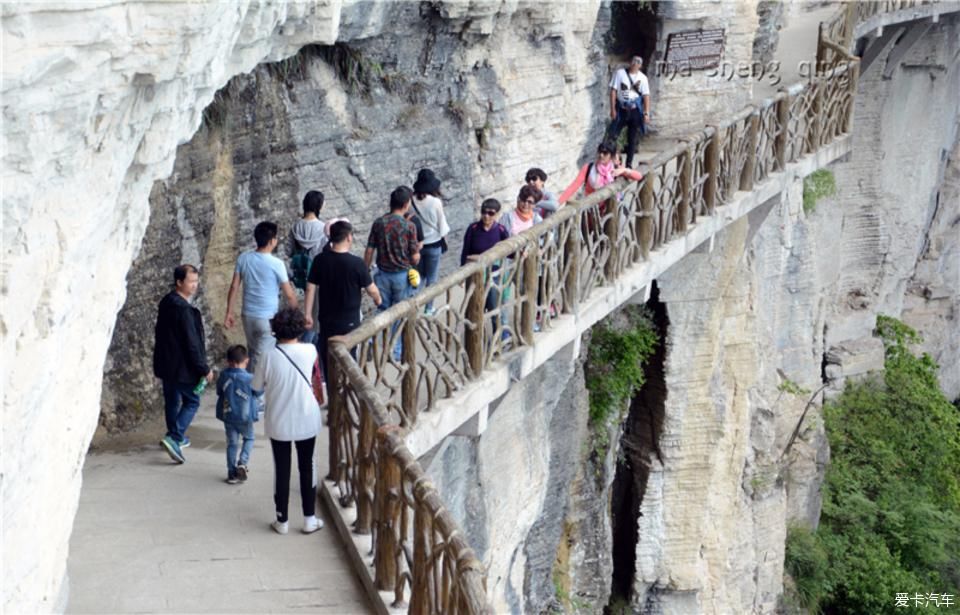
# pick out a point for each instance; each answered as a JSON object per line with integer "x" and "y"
{"x": 316, "y": 385}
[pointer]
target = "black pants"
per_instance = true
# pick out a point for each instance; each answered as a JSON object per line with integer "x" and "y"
{"x": 632, "y": 118}
{"x": 281, "y": 477}
{"x": 328, "y": 330}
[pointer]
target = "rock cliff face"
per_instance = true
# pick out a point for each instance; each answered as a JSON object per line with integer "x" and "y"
{"x": 477, "y": 98}
{"x": 93, "y": 115}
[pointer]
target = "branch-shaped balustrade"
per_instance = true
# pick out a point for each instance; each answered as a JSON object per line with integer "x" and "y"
{"x": 492, "y": 306}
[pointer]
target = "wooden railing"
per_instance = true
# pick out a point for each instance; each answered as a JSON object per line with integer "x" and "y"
{"x": 419, "y": 552}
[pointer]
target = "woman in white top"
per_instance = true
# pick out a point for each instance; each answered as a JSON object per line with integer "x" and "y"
{"x": 292, "y": 415}
{"x": 429, "y": 208}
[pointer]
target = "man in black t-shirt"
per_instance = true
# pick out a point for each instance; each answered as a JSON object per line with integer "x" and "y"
{"x": 340, "y": 276}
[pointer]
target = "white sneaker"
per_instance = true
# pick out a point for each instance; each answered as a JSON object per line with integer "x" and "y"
{"x": 280, "y": 528}
{"x": 311, "y": 524}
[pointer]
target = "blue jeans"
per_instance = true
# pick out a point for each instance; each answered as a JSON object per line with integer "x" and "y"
{"x": 180, "y": 404}
{"x": 260, "y": 339}
{"x": 394, "y": 287}
{"x": 429, "y": 267}
{"x": 234, "y": 434}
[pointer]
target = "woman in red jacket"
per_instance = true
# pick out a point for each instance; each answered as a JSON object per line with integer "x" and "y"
{"x": 597, "y": 174}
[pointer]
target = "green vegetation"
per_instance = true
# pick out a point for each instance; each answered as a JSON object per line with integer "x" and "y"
{"x": 891, "y": 510}
{"x": 614, "y": 370}
{"x": 817, "y": 185}
{"x": 791, "y": 388}
{"x": 357, "y": 72}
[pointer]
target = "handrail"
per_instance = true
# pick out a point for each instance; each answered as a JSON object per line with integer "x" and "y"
{"x": 419, "y": 550}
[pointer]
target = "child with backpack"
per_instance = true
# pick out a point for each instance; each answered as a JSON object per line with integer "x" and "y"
{"x": 238, "y": 406}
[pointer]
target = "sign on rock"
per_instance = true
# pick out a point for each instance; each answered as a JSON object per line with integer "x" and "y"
{"x": 695, "y": 49}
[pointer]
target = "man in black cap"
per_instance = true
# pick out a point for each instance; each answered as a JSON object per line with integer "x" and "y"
{"x": 180, "y": 358}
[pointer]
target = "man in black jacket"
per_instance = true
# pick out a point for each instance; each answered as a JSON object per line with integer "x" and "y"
{"x": 180, "y": 358}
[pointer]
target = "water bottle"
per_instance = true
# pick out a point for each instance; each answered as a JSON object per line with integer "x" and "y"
{"x": 201, "y": 386}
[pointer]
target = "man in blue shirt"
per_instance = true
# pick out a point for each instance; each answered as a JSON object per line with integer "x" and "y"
{"x": 262, "y": 276}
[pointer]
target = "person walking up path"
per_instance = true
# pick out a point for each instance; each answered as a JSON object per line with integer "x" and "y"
{"x": 238, "y": 406}
{"x": 595, "y": 175}
{"x": 478, "y": 238}
{"x": 307, "y": 238}
{"x": 292, "y": 416}
{"x": 180, "y": 358}
{"x": 262, "y": 276}
{"x": 429, "y": 209}
{"x": 340, "y": 276}
{"x": 393, "y": 239}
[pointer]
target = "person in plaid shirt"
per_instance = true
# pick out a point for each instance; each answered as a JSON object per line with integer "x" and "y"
{"x": 394, "y": 240}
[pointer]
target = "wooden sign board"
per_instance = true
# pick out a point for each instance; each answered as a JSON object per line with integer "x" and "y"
{"x": 695, "y": 49}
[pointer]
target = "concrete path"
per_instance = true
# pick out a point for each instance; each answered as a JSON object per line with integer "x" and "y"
{"x": 151, "y": 536}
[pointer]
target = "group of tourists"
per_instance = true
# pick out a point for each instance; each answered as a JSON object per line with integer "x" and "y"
{"x": 280, "y": 371}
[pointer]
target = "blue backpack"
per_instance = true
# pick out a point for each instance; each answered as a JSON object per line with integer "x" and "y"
{"x": 300, "y": 267}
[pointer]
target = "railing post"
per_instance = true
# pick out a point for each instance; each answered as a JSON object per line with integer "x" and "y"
{"x": 420, "y": 588}
{"x": 366, "y": 471}
{"x": 850, "y": 19}
{"x": 783, "y": 121}
{"x": 815, "y": 123}
{"x": 821, "y": 51}
{"x": 711, "y": 160}
{"x": 611, "y": 229}
{"x": 853, "y": 72}
{"x": 387, "y": 545}
{"x": 646, "y": 222}
{"x": 571, "y": 258}
{"x": 531, "y": 282}
{"x": 334, "y": 412}
{"x": 750, "y": 164}
{"x": 474, "y": 336}
{"x": 408, "y": 387}
{"x": 686, "y": 180}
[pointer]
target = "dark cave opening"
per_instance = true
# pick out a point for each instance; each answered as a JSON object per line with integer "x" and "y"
{"x": 639, "y": 446}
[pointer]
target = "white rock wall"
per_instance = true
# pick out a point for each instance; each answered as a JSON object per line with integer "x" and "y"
{"x": 96, "y": 97}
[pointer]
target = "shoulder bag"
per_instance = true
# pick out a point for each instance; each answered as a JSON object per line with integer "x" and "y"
{"x": 316, "y": 386}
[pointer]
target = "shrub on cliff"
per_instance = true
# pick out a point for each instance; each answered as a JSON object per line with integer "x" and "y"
{"x": 614, "y": 369}
{"x": 891, "y": 505}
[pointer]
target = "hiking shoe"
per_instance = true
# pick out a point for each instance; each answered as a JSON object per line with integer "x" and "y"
{"x": 173, "y": 449}
{"x": 311, "y": 524}
{"x": 232, "y": 480}
{"x": 242, "y": 473}
{"x": 185, "y": 443}
{"x": 280, "y": 527}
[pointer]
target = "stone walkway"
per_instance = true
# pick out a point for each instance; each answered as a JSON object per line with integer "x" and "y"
{"x": 151, "y": 536}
